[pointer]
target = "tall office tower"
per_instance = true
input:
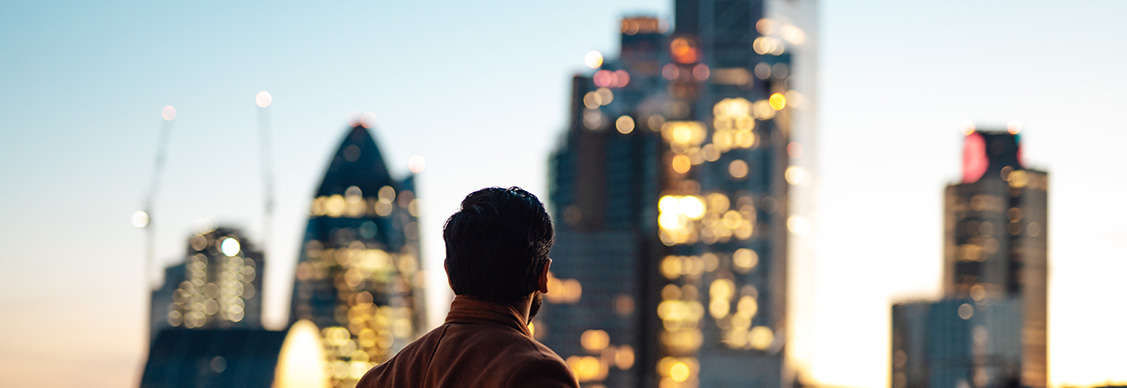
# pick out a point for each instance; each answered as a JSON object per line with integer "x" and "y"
{"x": 358, "y": 277}
{"x": 602, "y": 193}
{"x": 996, "y": 238}
{"x": 671, "y": 184}
{"x": 994, "y": 252}
{"x": 218, "y": 286}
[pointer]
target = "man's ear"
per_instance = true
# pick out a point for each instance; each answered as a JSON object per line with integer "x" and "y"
{"x": 543, "y": 281}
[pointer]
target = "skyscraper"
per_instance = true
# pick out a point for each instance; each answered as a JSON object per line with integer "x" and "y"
{"x": 671, "y": 183}
{"x": 217, "y": 286}
{"x": 358, "y": 277}
{"x": 995, "y": 252}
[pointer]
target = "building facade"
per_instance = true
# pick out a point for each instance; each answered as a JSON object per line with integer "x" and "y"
{"x": 217, "y": 286}
{"x": 671, "y": 191}
{"x": 237, "y": 357}
{"x": 957, "y": 343}
{"x": 995, "y": 253}
{"x": 359, "y": 277}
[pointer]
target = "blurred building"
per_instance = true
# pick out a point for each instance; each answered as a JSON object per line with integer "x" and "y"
{"x": 671, "y": 190}
{"x": 957, "y": 343}
{"x": 358, "y": 277}
{"x": 237, "y": 358}
{"x": 995, "y": 250}
{"x": 217, "y": 286}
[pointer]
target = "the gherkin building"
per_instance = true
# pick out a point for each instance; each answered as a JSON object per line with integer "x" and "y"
{"x": 358, "y": 276}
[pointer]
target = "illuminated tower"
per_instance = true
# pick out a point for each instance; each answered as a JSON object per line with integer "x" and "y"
{"x": 218, "y": 286}
{"x": 996, "y": 235}
{"x": 995, "y": 264}
{"x": 673, "y": 187}
{"x": 358, "y": 277}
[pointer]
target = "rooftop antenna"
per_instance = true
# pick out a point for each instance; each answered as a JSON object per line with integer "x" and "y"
{"x": 263, "y": 99}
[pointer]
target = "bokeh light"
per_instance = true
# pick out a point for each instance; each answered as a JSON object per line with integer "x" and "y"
{"x": 263, "y": 99}
{"x": 1014, "y": 127}
{"x": 230, "y": 247}
{"x": 624, "y": 124}
{"x": 738, "y": 169}
{"x": 368, "y": 119}
{"x": 168, "y": 113}
{"x": 778, "y": 101}
{"x": 416, "y": 164}
{"x": 140, "y": 219}
{"x": 593, "y": 59}
{"x": 967, "y": 126}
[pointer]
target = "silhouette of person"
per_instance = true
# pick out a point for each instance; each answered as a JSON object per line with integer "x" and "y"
{"x": 497, "y": 263}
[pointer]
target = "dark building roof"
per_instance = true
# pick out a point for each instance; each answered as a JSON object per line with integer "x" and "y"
{"x": 357, "y": 162}
{"x": 986, "y": 153}
{"x": 213, "y": 358}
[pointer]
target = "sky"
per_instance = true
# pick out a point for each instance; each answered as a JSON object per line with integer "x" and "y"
{"x": 480, "y": 91}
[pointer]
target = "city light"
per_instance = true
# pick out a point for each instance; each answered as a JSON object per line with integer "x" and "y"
{"x": 792, "y": 34}
{"x": 263, "y": 99}
{"x": 416, "y": 164}
{"x": 737, "y": 169}
{"x": 1013, "y": 127}
{"x": 679, "y": 372}
{"x": 229, "y": 246}
{"x": 140, "y": 219}
{"x": 595, "y": 340}
{"x": 967, "y": 127}
{"x": 593, "y": 59}
{"x": 624, "y": 124}
{"x": 795, "y": 175}
{"x": 778, "y": 101}
{"x": 168, "y": 113}
{"x": 368, "y": 120}
{"x": 701, "y": 72}
{"x": 683, "y": 51}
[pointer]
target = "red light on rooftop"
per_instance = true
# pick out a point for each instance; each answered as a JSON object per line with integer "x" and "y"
{"x": 975, "y": 160}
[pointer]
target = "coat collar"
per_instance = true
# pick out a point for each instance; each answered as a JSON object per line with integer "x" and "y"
{"x": 470, "y": 309}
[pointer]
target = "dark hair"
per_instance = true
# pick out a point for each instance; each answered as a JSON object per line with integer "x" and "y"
{"x": 497, "y": 243}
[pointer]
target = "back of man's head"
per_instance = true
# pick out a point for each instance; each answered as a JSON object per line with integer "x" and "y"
{"x": 497, "y": 244}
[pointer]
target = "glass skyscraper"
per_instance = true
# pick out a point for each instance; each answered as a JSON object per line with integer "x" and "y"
{"x": 995, "y": 250}
{"x": 672, "y": 188}
{"x": 217, "y": 286}
{"x": 358, "y": 277}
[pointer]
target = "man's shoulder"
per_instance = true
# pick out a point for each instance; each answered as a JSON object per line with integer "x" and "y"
{"x": 467, "y": 354}
{"x": 544, "y": 369}
{"x": 407, "y": 367}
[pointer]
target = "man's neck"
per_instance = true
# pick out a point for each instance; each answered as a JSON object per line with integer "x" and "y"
{"x": 522, "y": 306}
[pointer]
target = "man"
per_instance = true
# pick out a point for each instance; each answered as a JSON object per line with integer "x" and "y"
{"x": 497, "y": 263}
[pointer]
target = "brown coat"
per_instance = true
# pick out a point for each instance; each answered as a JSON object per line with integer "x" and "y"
{"x": 482, "y": 344}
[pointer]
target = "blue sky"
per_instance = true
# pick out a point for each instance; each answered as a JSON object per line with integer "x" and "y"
{"x": 480, "y": 91}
